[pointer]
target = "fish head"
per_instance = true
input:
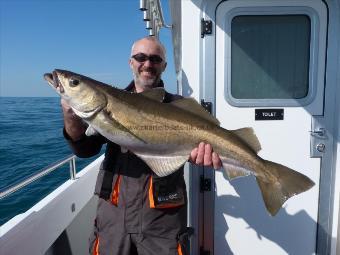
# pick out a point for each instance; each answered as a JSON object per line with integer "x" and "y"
{"x": 80, "y": 92}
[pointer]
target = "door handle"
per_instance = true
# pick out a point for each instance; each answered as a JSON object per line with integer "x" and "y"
{"x": 318, "y": 137}
{"x": 320, "y": 132}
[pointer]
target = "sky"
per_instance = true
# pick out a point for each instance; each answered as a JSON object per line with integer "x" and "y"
{"x": 89, "y": 37}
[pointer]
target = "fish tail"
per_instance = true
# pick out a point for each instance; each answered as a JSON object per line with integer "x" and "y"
{"x": 286, "y": 184}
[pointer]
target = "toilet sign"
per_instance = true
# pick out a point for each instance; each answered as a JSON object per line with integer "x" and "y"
{"x": 269, "y": 114}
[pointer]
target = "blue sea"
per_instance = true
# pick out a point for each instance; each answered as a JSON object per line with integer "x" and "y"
{"x": 30, "y": 139}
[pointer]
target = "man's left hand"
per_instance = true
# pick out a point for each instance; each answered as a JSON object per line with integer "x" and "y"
{"x": 204, "y": 155}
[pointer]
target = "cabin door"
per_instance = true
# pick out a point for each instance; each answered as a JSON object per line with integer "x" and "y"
{"x": 270, "y": 61}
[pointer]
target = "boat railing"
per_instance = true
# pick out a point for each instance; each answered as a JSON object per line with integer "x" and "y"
{"x": 153, "y": 16}
{"x": 71, "y": 159}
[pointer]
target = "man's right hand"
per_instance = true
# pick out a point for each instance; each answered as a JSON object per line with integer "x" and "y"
{"x": 74, "y": 126}
{"x": 204, "y": 155}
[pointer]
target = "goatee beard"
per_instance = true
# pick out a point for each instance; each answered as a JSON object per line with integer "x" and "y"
{"x": 146, "y": 83}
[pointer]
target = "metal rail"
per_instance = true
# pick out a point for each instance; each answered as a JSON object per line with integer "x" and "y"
{"x": 15, "y": 187}
{"x": 153, "y": 16}
{"x": 163, "y": 24}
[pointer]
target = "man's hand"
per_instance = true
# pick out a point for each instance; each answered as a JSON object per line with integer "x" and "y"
{"x": 204, "y": 155}
{"x": 74, "y": 126}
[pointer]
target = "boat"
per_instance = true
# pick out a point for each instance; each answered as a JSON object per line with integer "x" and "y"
{"x": 270, "y": 64}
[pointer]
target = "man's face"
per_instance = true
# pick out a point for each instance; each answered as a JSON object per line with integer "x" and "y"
{"x": 147, "y": 64}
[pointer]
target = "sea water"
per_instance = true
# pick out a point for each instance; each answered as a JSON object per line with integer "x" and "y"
{"x": 30, "y": 139}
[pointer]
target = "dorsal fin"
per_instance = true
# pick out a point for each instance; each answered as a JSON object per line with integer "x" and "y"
{"x": 155, "y": 94}
{"x": 191, "y": 105}
{"x": 248, "y": 136}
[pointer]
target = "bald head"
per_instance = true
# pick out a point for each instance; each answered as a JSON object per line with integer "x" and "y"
{"x": 150, "y": 42}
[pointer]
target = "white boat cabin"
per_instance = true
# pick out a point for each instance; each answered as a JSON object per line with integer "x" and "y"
{"x": 273, "y": 65}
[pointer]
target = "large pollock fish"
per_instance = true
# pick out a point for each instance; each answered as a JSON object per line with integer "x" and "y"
{"x": 164, "y": 134}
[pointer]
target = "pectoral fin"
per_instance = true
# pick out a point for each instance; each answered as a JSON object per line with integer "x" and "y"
{"x": 90, "y": 131}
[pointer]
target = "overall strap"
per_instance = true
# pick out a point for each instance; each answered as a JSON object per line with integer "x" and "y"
{"x": 108, "y": 169}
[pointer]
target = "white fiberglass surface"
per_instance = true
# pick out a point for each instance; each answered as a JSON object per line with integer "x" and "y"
{"x": 240, "y": 213}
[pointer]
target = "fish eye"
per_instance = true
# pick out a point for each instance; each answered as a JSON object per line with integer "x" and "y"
{"x": 73, "y": 82}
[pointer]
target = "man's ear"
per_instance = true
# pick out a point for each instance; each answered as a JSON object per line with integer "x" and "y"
{"x": 130, "y": 62}
{"x": 165, "y": 64}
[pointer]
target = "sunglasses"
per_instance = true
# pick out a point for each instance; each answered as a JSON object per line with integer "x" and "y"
{"x": 141, "y": 58}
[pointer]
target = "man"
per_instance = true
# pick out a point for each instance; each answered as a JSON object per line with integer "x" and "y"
{"x": 138, "y": 212}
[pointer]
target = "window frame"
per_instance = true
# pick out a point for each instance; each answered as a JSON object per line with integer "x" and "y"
{"x": 313, "y": 52}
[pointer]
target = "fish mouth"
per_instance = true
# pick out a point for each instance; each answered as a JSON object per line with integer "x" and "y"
{"x": 54, "y": 82}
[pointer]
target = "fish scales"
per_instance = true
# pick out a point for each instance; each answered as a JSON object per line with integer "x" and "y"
{"x": 164, "y": 134}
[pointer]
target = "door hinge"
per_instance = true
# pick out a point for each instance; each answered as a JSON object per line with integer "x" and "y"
{"x": 206, "y": 27}
{"x": 205, "y": 184}
{"x": 207, "y": 105}
{"x": 204, "y": 252}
